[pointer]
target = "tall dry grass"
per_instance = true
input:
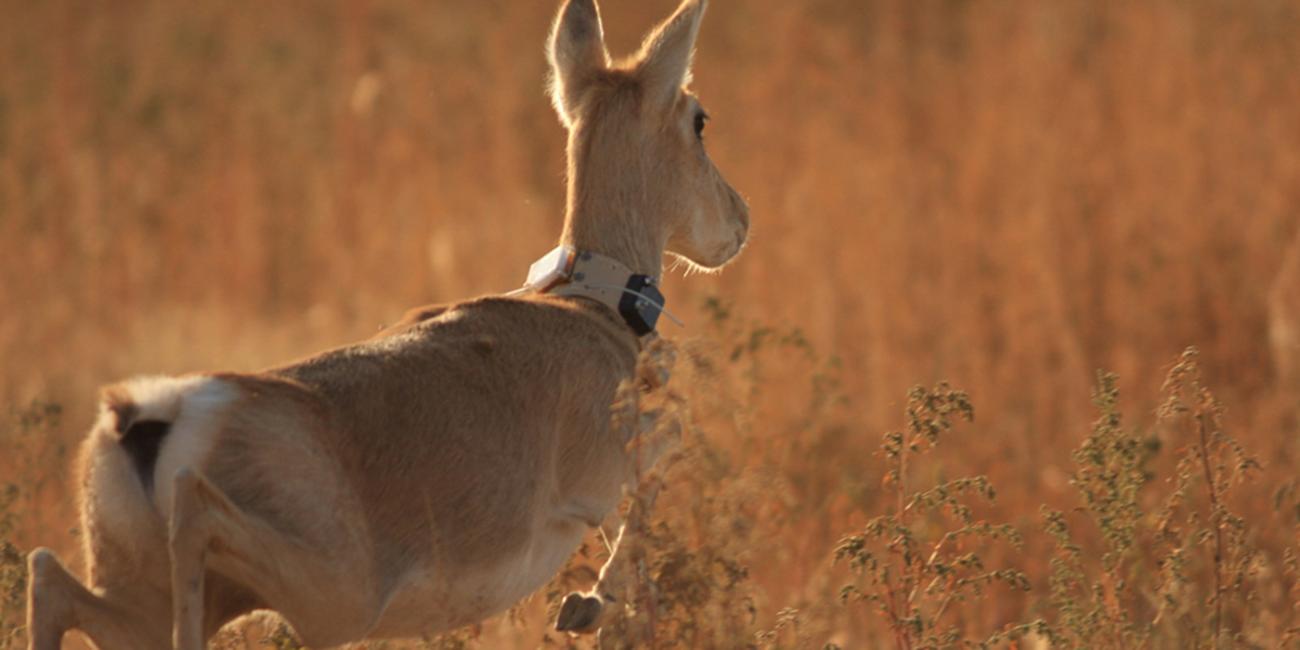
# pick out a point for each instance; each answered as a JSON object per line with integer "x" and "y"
{"x": 1004, "y": 195}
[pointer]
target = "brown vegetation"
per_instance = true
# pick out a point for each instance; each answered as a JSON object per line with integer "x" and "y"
{"x": 1003, "y": 195}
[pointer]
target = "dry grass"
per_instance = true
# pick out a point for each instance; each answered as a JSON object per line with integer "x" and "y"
{"x": 1003, "y": 195}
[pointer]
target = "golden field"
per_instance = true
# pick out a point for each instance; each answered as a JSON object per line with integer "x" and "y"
{"x": 1004, "y": 195}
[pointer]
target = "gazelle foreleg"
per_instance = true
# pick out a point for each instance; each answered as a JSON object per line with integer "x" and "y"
{"x": 653, "y": 433}
{"x": 584, "y": 613}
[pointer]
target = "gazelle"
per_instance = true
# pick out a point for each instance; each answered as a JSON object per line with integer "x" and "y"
{"x": 436, "y": 474}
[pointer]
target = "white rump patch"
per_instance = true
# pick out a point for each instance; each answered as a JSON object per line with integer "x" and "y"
{"x": 194, "y": 407}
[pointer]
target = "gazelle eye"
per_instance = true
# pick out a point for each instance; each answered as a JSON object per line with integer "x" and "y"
{"x": 700, "y": 119}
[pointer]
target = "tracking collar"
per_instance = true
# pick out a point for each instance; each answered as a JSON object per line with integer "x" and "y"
{"x": 568, "y": 272}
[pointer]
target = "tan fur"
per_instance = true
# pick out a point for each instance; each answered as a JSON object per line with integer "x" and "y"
{"x": 433, "y": 475}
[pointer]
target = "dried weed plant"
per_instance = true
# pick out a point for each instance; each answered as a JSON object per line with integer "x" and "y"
{"x": 27, "y": 435}
{"x": 1291, "y": 564}
{"x": 1198, "y": 531}
{"x": 1183, "y": 574}
{"x": 13, "y": 574}
{"x": 918, "y": 563}
{"x": 1096, "y": 610}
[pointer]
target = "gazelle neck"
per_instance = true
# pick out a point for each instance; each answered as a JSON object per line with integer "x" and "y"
{"x": 605, "y": 207}
{"x": 616, "y": 235}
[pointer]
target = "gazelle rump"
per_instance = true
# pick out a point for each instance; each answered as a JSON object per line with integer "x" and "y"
{"x": 433, "y": 475}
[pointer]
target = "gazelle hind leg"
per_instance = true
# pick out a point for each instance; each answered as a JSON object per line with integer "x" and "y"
{"x": 57, "y": 602}
{"x": 325, "y": 605}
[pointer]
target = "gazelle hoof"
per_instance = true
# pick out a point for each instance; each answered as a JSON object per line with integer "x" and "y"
{"x": 579, "y": 614}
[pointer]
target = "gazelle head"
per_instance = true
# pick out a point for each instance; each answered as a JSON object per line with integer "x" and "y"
{"x": 640, "y": 181}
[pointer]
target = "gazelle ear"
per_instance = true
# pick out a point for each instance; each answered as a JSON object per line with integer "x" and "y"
{"x": 665, "y": 60}
{"x": 577, "y": 55}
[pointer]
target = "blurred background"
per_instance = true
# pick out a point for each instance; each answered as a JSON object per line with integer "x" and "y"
{"x": 1008, "y": 195}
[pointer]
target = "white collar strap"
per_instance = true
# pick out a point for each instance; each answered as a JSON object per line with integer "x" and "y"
{"x": 568, "y": 272}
